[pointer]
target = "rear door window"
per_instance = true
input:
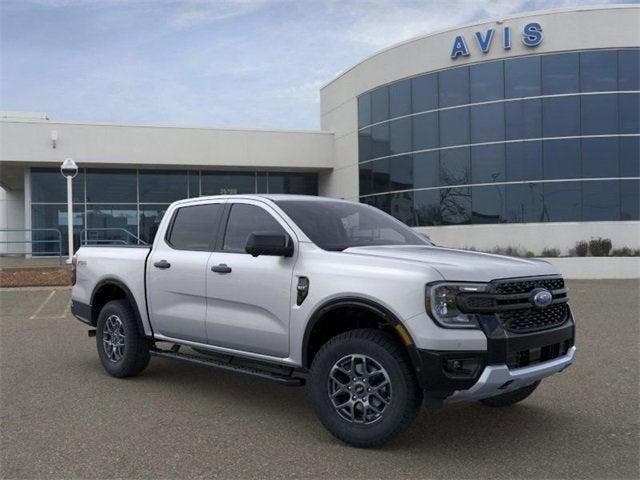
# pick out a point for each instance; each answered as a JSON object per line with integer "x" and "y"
{"x": 195, "y": 227}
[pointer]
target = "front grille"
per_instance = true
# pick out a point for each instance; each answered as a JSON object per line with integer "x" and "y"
{"x": 510, "y": 287}
{"x": 533, "y": 319}
{"x": 524, "y": 358}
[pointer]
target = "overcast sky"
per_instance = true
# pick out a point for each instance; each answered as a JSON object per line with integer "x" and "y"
{"x": 233, "y": 63}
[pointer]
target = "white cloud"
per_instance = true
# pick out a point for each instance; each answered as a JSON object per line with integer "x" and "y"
{"x": 197, "y": 12}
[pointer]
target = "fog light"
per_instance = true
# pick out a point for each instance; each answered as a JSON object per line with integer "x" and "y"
{"x": 462, "y": 367}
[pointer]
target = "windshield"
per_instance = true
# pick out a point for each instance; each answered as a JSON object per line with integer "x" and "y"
{"x": 339, "y": 225}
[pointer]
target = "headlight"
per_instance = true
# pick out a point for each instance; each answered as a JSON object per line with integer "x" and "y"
{"x": 442, "y": 306}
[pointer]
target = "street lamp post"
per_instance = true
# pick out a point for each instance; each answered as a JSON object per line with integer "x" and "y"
{"x": 69, "y": 169}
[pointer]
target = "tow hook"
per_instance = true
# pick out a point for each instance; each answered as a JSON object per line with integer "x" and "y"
{"x": 91, "y": 333}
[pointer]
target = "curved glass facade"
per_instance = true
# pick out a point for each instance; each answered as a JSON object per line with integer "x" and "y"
{"x": 541, "y": 138}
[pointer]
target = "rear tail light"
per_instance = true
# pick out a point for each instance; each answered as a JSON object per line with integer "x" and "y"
{"x": 74, "y": 264}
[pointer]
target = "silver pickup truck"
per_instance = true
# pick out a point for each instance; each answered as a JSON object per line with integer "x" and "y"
{"x": 295, "y": 289}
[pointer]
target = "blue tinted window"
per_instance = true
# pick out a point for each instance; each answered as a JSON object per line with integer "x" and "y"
{"x": 487, "y": 123}
{"x": 524, "y": 203}
{"x": 522, "y": 77}
{"x": 162, "y": 186}
{"x": 487, "y": 81}
{"x": 600, "y": 201}
{"x": 629, "y": 69}
{"x": 194, "y": 184}
{"x": 599, "y": 71}
{"x": 560, "y": 73}
{"x": 54, "y": 217}
{"x": 400, "y": 135}
{"x": 454, "y": 166}
{"x": 630, "y": 156}
{"x": 294, "y": 183}
{"x": 366, "y": 178}
{"x": 523, "y": 161}
{"x": 365, "y": 145}
{"x": 228, "y": 183}
{"x": 599, "y": 114}
{"x": 455, "y": 205}
{"x": 400, "y": 98}
{"x": 402, "y": 207}
{"x": 426, "y": 169}
{"x": 629, "y": 200}
{"x": 562, "y": 202}
{"x": 561, "y": 116}
{"x": 381, "y": 176}
{"x": 454, "y": 127}
{"x": 123, "y": 186}
{"x": 380, "y": 104}
{"x": 424, "y": 91}
{"x": 487, "y": 164}
{"x": 523, "y": 119}
{"x": 600, "y": 157}
{"x": 488, "y": 204}
{"x": 629, "y": 112}
{"x": 115, "y": 219}
{"x": 454, "y": 87}
{"x": 150, "y": 216}
{"x": 364, "y": 110}
{"x": 380, "y": 140}
{"x": 401, "y": 172}
{"x": 425, "y": 131}
{"x": 427, "y": 207}
{"x": 561, "y": 159}
{"x": 48, "y": 185}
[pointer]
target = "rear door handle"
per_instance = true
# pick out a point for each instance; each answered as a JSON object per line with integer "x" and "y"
{"x": 162, "y": 264}
{"x": 222, "y": 268}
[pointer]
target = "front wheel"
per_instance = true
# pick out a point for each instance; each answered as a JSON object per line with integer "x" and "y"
{"x": 362, "y": 387}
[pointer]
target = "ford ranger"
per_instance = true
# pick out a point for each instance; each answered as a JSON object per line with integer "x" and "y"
{"x": 371, "y": 315}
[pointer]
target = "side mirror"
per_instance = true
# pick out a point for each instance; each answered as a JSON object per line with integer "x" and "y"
{"x": 269, "y": 243}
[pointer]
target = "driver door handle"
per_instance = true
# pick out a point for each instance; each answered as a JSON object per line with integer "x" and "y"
{"x": 222, "y": 268}
{"x": 162, "y": 264}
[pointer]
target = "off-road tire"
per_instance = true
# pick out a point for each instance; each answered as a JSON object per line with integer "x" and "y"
{"x": 135, "y": 354}
{"x": 510, "y": 398}
{"x": 405, "y": 397}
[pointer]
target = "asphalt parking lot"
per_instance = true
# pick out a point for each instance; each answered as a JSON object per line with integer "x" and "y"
{"x": 63, "y": 416}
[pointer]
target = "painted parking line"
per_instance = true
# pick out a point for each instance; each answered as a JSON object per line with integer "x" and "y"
{"x": 43, "y": 304}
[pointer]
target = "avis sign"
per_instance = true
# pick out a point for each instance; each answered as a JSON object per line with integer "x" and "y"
{"x": 531, "y": 37}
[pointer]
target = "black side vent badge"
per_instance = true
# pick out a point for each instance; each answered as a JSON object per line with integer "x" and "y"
{"x": 303, "y": 290}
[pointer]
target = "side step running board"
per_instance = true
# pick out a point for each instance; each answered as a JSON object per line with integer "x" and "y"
{"x": 173, "y": 354}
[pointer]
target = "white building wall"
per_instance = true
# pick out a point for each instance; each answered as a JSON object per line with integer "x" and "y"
{"x": 11, "y": 217}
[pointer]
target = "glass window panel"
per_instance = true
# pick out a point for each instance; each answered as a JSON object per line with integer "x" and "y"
{"x": 366, "y": 178}
{"x": 487, "y": 81}
{"x": 523, "y": 119}
{"x": 454, "y": 127}
{"x": 112, "y": 186}
{"x": 400, "y": 135}
{"x": 194, "y": 184}
{"x": 243, "y": 221}
{"x": 630, "y": 156}
{"x": 162, "y": 186}
{"x": 380, "y": 140}
{"x": 562, "y": 202}
{"x": 424, "y": 92}
{"x": 112, "y": 223}
{"x": 488, "y": 204}
{"x": 150, "y": 216}
{"x": 629, "y": 112}
{"x": 561, "y": 116}
{"x": 487, "y": 164}
{"x": 600, "y": 157}
{"x": 426, "y": 169}
{"x": 599, "y": 114}
{"x": 381, "y": 175}
{"x": 402, "y": 208}
{"x": 599, "y": 71}
{"x": 425, "y": 131}
{"x": 629, "y": 69}
{"x": 522, "y": 77}
{"x": 523, "y": 161}
{"x": 561, "y": 159}
{"x": 427, "y": 207}
{"x": 293, "y": 183}
{"x": 382, "y": 202}
{"x": 454, "y": 166}
{"x": 454, "y": 87}
{"x": 629, "y": 200}
{"x": 364, "y": 110}
{"x": 380, "y": 104}
{"x": 401, "y": 172}
{"x": 365, "y": 145}
{"x": 455, "y": 205}
{"x": 196, "y": 227}
{"x": 600, "y": 201}
{"x": 400, "y": 99}
{"x": 48, "y": 185}
{"x": 524, "y": 203}
{"x": 487, "y": 123}
{"x": 52, "y": 217}
{"x": 262, "y": 183}
{"x": 560, "y": 73}
{"x": 227, "y": 183}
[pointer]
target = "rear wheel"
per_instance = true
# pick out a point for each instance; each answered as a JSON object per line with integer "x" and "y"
{"x": 362, "y": 387}
{"x": 510, "y": 398}
{"x": 122, "y": 348}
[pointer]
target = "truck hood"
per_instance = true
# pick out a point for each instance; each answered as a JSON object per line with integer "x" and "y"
{"x": 462, "y": 265}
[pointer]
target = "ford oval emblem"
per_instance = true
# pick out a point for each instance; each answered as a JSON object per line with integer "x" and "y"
{"x": 541, "y": 298}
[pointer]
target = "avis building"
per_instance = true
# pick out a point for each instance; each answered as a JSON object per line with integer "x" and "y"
{"x": 521, "y": 131}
